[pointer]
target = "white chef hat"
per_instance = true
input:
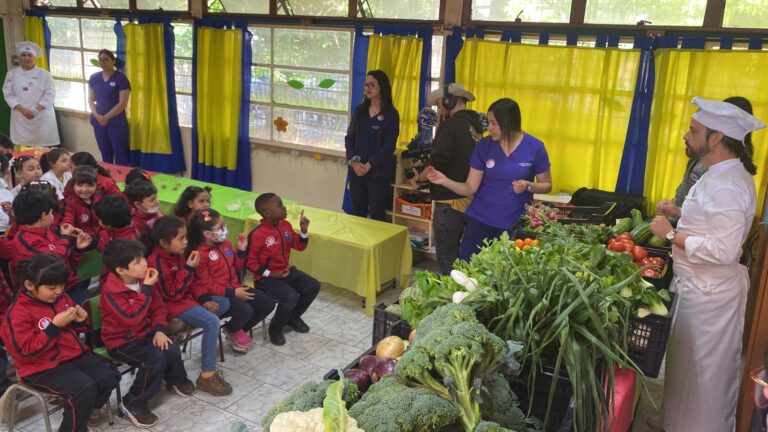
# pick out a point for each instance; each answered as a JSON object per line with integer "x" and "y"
{"x": 29, "y": 47}
{"x": 727, "y": 118}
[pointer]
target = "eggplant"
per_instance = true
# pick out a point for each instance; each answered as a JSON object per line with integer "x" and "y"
{"x": 360, "y": 377}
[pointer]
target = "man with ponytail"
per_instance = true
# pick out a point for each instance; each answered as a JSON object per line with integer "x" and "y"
{"x": 711, "y": 284}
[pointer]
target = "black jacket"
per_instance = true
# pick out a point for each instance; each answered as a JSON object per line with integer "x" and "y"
{"x": 452, "y": 147}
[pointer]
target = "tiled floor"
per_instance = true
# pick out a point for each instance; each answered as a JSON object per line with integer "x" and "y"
{"x": 264, "y": 376}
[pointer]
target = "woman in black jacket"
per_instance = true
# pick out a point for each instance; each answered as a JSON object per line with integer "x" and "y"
{"x": 370, "y": 143}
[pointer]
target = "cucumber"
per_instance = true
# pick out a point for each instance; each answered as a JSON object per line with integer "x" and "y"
{"x": 657, "y": 241}
{"x": 622, "y": 225}
{"x": 642, "y": 233}
{"x": 637, "y": 219}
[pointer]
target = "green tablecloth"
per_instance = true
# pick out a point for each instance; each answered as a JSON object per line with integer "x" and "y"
{"x": 353, "y": 253}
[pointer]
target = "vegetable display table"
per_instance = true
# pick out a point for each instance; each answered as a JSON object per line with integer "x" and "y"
{"x": 350, "y": 252}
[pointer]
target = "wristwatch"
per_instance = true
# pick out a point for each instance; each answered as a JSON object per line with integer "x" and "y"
{"x": 670, "y": 236}
{"x": 530, "y": 187}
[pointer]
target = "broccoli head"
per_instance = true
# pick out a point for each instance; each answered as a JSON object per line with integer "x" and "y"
{"x": 391, "y": 406}
{"x": 498, "y": 403}
{"x": 447, "y": 315}
{"x": 310, "y": 395}
{"x": 486, "y": 426}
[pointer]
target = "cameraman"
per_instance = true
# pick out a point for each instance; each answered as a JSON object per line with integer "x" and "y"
{"x": 454, "y": 142}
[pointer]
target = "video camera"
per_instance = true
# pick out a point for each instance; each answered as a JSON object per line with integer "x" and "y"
{"x": 420, "y": 147}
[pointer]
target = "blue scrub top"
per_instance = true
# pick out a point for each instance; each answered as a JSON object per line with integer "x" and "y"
{"x": 495, "y": 203}
{"x": 107, "y": 95}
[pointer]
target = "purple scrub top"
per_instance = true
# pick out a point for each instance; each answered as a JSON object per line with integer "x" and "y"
{"x": 107, "y": 95}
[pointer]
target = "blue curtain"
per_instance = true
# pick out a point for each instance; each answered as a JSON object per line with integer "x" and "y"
{"x": 241, "y": 177}
{"x": 453, "y": 44}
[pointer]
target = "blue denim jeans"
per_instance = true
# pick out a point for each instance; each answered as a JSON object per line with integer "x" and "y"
{"x": 200, "y": 317}
{"x": 223, "y": 303}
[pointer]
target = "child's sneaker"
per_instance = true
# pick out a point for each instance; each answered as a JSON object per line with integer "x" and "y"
{"x": 241, "y": 342}
{"x": 140, "y": 417}
{"x": 183, "y": 389}
{"x": 215, "y": 384}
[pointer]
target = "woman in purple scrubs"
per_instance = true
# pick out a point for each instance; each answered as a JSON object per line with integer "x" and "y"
{"x": 108, "y": 94}
{"x": 502, "y": 171}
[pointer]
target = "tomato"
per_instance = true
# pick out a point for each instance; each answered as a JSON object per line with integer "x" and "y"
{"x": 646, "y": 261}
{"x": 616, "y": 246}
{"x": 628, "y": 244}
{"x": 649, "y": 272}
{"x": 659, "y": 261}
{"x": 629, "y": 252}
{"x": 640, "y": 252}
{"x": 624, "y": 236}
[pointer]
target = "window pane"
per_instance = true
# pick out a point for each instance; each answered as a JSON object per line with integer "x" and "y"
{"x": 239, "y": 6}
{"x": 312, "y": 128}
{"x": 70, "y": 95}
{"x": 260, "y": 84}
{"x": 260, "y": 125}
{"x": 184, "y": 108}
{"x": 746, "y": 13}
{"x": 312, "y": 48}
{"x": 261, "y": 45}
{"x": 663, "y": 12}
{"x": 315, "y": 7}
{"x": 183, "y": 72}
{"x": 107, "y": 4}
{"x": 66, "y": 63}
{"x": 182, "y": 34}
{"x": 64, "y": 31}
{"x": 533, "y": 10}
{"x": 166, "y": 5}
{"x": 417, "y": 9}
{"x": 61, "y": 3}
{"x": 99, "y": 34}
{"x": 334, "y": 97}
{"x": 90, "y": 69}
{"x": 437, "y": 56}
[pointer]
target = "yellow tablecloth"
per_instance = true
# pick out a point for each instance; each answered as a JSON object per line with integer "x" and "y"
{"x": 353, "y": 253}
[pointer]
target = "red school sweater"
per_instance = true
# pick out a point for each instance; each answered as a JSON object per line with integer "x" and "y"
{"x": 269, "y": 247}
{"x": 174, "y": 281}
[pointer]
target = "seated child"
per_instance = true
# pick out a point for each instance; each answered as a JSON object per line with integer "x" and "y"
{"x": 78, "y": 207}
{"x": 167, "y": 241}
{"x": 57, "y": 169}
{"x": 34, "y": 215}
{"x": 136, "y": 174}
{"x": 134, "y": 330}
{"x": 193, "y": 198}
{"x": 269, "y": 248}
{"x": 142, "y": 196}
{"x": 6, "y": 196}
{"x": 25, "y": 169}
{"x": 218, "y": 276}
{"x": 6, "y": 298}
{"x": 105, "y": 184}
{"x": 114, "y": 217}
{"x": 6, "y": 146}
{"x": 40, "y": 331}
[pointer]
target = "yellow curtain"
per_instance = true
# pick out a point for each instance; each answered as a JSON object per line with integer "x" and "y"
{"x": 683, "y": 74}
{"x": 400, "y": 58}
{"x": 148, "y": 109}
{"x": 219, "y": 89}
{"x": 33, "y": 32}
{"x": 576, "y": 100}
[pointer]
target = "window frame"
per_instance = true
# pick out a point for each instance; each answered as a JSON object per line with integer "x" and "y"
{"x": 80, "y": 9}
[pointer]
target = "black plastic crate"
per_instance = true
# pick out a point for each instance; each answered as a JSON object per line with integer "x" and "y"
{"x": 561, "y": 415}
{"x": 382, "y": 322}
{"x": 647, "y": 339}
{"x": 666, "y": 273}
{"x": 400, "y": 328}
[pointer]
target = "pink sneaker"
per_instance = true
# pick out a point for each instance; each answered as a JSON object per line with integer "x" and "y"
{"x": 241, "y": 342}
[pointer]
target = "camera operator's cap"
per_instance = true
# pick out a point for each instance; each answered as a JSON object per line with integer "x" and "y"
{"x": 727, "y": 118}
{"x": 30, "y": 47}
{"x": 453, "y": 89}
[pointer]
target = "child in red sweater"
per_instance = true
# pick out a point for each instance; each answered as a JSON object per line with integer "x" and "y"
{"x": 168, "y": 240}
{"x": 134, "y": 330}
{"x": 105, "y": 183}
{"x": 78, "y": 207}
{"x": 269, "y": 249}
{"x": 40, "y": 331}
{"x": 142, "y": 196}
{"x": 192, "y": 199}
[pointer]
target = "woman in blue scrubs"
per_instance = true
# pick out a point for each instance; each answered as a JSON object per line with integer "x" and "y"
{"x": 108, "y": 94}
{"x": 502, "y": 171}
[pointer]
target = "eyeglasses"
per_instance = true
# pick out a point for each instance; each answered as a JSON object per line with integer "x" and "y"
{"x": 369, "y": 85}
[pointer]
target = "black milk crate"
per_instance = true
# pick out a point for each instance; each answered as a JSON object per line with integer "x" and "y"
{"x": 561, "y": 415}
{"x": 587, "y": 215}
{"x": 647, "y": 339}
{"x": 666, "y": 273}
{"x": 522, "y": 233}
{"x": 382, "y": 322}
{"x": 399, "y": 328}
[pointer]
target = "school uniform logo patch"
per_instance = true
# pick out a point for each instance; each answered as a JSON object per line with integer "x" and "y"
{"x": 44, "y": 323}
{"x": 175, "y": 268}
{"x": 228, "y": 252}
{"x": 51, "y": 247}
{"x": 525, "y": 164}
{"x": 490, "y": 163}
{"x": 271, "y": 241}
{"x": 112, "y": 84}
{"x": 213, "y": 256}
{"x": 84, "y": 218}
{"x": 287, "y": 235}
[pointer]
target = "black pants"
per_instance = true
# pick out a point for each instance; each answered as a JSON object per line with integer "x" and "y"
{"x": 293, "y": 295}
{"x": 84, "y": 383}
{"x": 153, "y": 365}
{"x": 448, "y": 225}
{"x": 240, "y": 313}
{"x": 369, "y": 194}
{"x": 262, "y": 304}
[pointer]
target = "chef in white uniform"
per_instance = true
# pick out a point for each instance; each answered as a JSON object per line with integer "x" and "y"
{"x": 701, "y": 378}
{"x": 29, "y": 92}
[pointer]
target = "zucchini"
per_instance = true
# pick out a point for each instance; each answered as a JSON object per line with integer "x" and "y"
{"x": 642, "y": 233}
{"x": 622, "y": 225}
{"x": 657, "y": 241}
{"x": 637, "y": 219}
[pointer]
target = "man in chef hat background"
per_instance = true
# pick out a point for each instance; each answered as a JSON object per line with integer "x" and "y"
{"x": 29, "y": 91}
{"x": 701, "y": 378}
